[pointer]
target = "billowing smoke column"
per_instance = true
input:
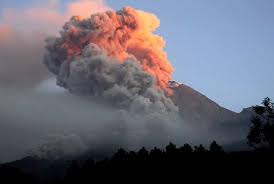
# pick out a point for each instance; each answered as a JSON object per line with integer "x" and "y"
{"x": 109, "y": 58}
{"x": 113, "y": 55}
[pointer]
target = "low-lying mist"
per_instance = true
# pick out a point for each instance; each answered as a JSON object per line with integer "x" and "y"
{"x": 54, "y": 123}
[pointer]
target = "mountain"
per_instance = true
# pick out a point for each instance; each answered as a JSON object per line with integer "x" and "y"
{"x": 207, "y": 120}
{"x": 210, "y": 118}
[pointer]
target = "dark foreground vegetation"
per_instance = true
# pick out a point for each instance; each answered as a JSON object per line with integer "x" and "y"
{"x": 157, "y": 165}
{"x": 183, "y": 163}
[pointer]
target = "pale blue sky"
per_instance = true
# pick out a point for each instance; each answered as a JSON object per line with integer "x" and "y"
{"x": 222, "y": 48}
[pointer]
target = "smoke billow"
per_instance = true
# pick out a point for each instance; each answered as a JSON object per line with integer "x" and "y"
{"x": 114, "y": 57}
{"x": 125, "y": 85}
{"x": 115, "y": 65}
{"x": 122, "y": 35}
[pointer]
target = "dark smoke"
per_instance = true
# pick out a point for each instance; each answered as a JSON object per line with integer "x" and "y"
{"x": 125, "y": 85}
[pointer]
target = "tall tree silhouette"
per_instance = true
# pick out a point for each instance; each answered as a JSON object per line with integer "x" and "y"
{"x": 199, "y": 149}
{"x": 261, "y": 134}
{"x": 186, "y": 148}
{"x": 215, "y": 148}
{"x": 171, "y": 149}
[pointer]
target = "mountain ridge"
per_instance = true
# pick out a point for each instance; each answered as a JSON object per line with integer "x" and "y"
{"x": 211, "y": 118}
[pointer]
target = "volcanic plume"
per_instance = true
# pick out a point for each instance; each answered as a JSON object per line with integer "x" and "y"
{"x": 112, "y": 61}
{"x": 114, "y": 55}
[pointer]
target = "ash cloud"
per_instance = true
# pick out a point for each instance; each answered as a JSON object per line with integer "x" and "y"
{"x": 125, "y": 34}
{"x": 56, "y": 124}
{"x": 99, "y": 56}
{"x": 19, "y": 59}
{"x": 125, "y": 85}
{"x": 117, "y": 98}
{"x": 122, "y": 83}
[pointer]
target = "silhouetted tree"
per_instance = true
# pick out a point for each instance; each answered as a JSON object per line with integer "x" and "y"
{"x": 215, "y": 148}
{"x": 199, "y": 149}
{"x": 171, "y": 149}
{"x": 143, "y": 153}
{"x": 186, "y": 148}
{"x": 261, "y": 134}
{"x": 156, "y": 153}
{"x": 132, "y": 155}
{"x": 121, "y": 154}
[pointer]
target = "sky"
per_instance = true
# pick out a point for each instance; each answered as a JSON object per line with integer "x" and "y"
{"x": 223, "y": 49}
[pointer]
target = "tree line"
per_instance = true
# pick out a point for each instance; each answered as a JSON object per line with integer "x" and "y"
{"x": 171, "y": 162}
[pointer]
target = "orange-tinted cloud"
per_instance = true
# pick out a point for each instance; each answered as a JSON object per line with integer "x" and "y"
{"x": 22, "y": 38}
{"x": 124, "y": 34}
{"x": 47, "y": 18}
{"x": 4, "y": 32}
